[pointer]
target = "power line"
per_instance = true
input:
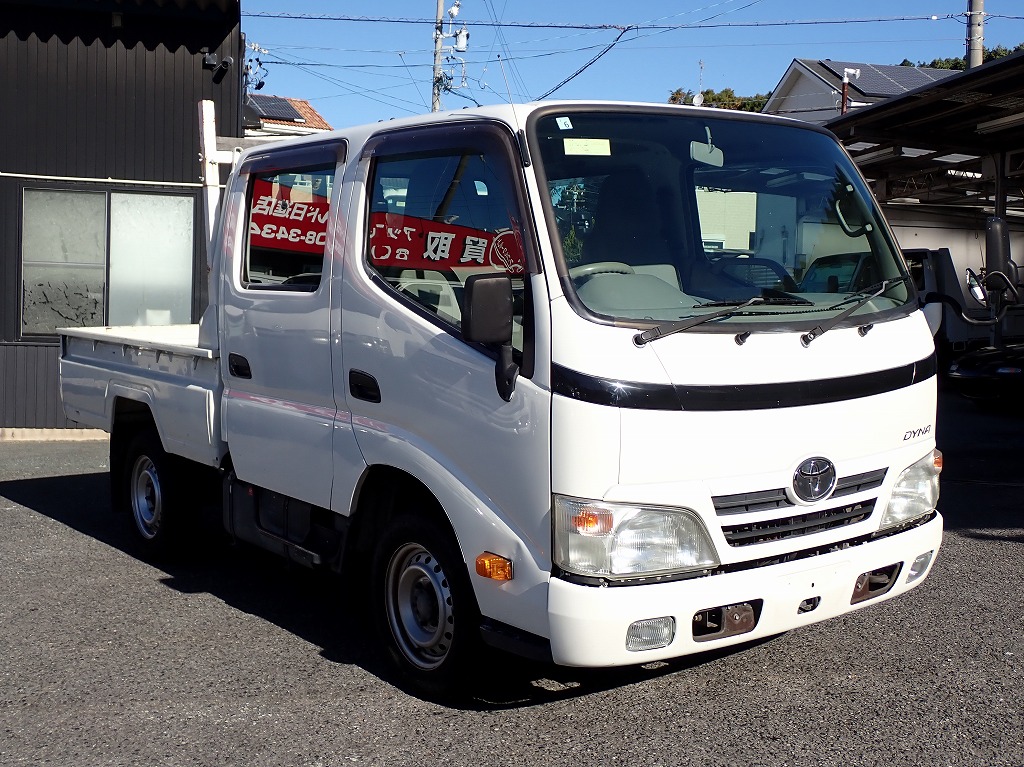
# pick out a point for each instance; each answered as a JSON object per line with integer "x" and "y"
{"x": 619, "y": 27}
{"x": 581, "y": 69}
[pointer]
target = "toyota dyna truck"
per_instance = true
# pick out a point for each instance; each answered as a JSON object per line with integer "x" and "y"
{"x": 547, "y": 378}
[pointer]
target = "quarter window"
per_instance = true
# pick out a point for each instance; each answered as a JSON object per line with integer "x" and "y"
{"x": 287, "y": 225}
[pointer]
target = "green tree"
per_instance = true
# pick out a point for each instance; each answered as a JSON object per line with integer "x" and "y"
{"x": 723, "y": 99}
{"x": 960, "y": 63}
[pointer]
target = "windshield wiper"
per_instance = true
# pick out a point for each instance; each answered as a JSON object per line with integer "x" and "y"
{"x": 660, "y": 331}
{"x": 769, "y": 296}
{"x": 859, "y": 299}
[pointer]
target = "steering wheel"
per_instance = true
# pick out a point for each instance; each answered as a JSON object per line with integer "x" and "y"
{"x": 600, "y": 267}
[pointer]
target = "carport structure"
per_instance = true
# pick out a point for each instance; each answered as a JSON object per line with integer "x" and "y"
{"x": 957, "y": 142}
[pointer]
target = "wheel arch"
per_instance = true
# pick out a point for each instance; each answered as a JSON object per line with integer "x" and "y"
{"x": 382, "y": 493}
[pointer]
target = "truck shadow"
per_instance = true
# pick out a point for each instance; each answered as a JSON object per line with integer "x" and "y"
{"x": 316, "y": 607}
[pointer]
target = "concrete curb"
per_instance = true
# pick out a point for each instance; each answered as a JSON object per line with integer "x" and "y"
{"x": 51, "y": 435}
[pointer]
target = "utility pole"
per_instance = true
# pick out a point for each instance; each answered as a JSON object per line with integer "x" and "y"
{"x": 443, "y": 80}
{"x": 435, "y": 101}
{"x": 975, "y": 33}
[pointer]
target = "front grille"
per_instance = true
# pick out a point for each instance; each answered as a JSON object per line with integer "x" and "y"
{"x": 797, "y": 525}
{"x": 765, "y": 500}
{"x": 869, "y": 480}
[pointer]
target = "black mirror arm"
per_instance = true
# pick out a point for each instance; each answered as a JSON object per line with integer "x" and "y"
{"x": 505, "y": 372}
{"x": 939, "y": 298}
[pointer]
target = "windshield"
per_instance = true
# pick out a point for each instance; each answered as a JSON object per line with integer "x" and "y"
{"x": 665, "y": 216}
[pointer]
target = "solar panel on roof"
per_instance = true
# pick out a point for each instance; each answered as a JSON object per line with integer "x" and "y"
{"x": 887, "y": 79}
{"x": 274, "y": 108}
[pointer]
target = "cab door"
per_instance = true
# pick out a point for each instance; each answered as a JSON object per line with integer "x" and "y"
{"x": 279, "y": 405}
{"x": 442, "y": 203}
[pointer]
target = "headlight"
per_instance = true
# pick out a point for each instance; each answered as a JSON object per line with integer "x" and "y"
{"x": 916, "y": 491}
{"x": 620, "y": 541}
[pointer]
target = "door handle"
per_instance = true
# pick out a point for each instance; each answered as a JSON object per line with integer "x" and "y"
{"x": 238, "y": 366}
{"x": 363, "y": 386}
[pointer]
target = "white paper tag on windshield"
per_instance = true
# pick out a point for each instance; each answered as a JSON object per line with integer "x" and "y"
{"x": 563, "y": 123}
{"x": 591, "y": 146}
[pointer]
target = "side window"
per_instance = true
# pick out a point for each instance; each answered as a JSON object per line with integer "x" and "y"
{"x": 287, "y": 223}
{"x": 437, "y": 218}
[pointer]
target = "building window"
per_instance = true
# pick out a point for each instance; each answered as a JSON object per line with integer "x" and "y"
{"x": 105, "y": 258}
{"x": 64, "y": 244}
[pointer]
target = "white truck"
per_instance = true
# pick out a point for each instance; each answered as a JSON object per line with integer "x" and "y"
{"x": 545, "y": 378}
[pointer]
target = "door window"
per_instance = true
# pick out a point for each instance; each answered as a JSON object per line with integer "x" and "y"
{"x": 438, "y": 217}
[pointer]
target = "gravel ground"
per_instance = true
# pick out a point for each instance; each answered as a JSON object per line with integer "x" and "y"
{"x": 230, "y": 657}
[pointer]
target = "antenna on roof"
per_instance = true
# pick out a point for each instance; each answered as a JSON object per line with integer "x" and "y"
{"x": 845, "y": 106}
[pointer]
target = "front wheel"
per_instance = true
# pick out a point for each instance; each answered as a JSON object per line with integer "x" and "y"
{"x": 425, "y": 608}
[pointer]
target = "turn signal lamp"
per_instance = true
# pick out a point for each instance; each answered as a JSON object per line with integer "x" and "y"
{"x": 493, "y": 566}
{"x": 591, "y": 521}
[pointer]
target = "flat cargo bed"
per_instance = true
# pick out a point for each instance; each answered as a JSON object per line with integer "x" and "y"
{"x": 162, "y": 368}
{"x": 177, "y": 339}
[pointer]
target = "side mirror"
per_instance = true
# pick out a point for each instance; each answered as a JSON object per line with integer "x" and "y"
{"x": 977, "y": 289}
{"x": 487, "y": 319}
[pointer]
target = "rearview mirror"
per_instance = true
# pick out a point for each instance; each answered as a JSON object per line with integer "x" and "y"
{"x": 706, "y": 154}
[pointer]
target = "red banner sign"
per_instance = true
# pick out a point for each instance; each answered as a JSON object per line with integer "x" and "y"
{"x": 280, "y": 222}
{"x": 417, "y": 243}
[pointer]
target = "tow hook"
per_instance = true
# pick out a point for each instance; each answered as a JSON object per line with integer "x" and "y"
{"x": 875, "y": 583}
{"x": 726, "y": 621}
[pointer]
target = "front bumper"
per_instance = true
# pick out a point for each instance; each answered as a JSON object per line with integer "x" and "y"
{"x": 588, "y": 625}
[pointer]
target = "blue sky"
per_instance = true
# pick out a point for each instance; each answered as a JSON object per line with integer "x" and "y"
{"x": 363, "y": 71}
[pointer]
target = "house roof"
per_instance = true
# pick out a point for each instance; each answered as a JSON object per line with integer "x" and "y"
{"x": 876, "y": 81}
{"x": 959, "y": 140}
{"x": 283, "y": 114}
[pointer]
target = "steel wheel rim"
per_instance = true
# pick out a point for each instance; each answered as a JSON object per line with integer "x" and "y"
{"x": 419, "y": 606}
{"x": 146, "y": 497}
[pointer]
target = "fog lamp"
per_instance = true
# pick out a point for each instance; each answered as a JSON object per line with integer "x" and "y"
{"x": 650, "y": 634}
{"x": 919, "y": 566}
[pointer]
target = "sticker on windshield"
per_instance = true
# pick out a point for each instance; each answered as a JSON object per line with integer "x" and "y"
{"x": 564, "y": 123}
{"x": 588, "y": 146}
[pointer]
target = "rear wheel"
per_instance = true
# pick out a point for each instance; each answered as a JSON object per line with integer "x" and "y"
{"x": 148, "y": 489}
{"x": 424, "y": 606}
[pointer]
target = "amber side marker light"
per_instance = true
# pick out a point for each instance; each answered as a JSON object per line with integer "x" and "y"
{"x": 495, "y": 567}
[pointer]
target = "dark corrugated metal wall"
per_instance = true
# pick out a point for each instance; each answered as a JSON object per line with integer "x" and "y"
{"x": 82, "y": 97}
{"x": 28, "y": 388}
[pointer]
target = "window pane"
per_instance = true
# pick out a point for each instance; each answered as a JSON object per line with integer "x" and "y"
{"x": 151, "y": 245}
{"x": 288, "y": 230}
{"x": 63, "y": 258}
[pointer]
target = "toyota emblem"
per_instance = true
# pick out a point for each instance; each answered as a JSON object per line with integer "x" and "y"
{"x": 814, "y": 480}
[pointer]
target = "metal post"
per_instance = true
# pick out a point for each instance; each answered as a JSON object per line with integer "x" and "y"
{"x": 435, "y": 102}
{"x": 975, "y": 33}
{"x": 845, "y": 106}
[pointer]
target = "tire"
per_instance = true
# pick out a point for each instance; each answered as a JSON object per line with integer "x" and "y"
{"x": 424, "y": 607}
{"x": 148, "y": 489}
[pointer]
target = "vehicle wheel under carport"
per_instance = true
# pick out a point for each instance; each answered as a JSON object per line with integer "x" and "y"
{"x": 148, "y": 488}
{"x": 424, "y": 607}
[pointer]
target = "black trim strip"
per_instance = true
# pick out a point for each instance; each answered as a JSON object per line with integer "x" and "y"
{"x": 643, "y": 396}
